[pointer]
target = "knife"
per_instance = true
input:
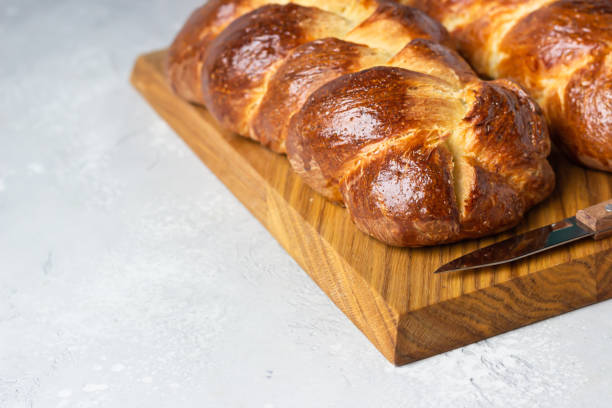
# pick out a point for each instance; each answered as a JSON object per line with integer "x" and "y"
{"x": 595, "y": 221}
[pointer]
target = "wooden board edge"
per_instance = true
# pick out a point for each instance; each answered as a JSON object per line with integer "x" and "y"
{"x": 498, "y": 309}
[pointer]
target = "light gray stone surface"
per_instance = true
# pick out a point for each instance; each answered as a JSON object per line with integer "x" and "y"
{"x": 130, "y": 276}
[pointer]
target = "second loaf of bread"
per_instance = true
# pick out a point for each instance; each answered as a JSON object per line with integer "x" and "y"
{"x": 373, "y": 110}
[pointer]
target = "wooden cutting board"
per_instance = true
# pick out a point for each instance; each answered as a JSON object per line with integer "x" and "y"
{"x": 392, "y": 294}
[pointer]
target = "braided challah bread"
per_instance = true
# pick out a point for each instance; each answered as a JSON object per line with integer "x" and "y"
{"x": 373, "y": 111}
{"x": 561, "y": 51}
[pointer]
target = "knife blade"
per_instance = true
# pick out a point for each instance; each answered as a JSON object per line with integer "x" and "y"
{"x": 595, "y": 221}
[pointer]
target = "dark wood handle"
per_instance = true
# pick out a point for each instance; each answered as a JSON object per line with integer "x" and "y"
{"x": 598, "y": 218}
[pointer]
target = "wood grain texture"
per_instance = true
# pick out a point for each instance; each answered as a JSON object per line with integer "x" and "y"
{"x": 392, "y": 294}
{"x": 598, "y": 218}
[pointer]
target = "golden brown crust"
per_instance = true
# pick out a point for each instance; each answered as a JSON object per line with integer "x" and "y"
{"x": 491, "y": 202}
{"x": 404, "y": 194}
{"x": 307, "y": 68}
{"x": 187, "y": 52}
{"x": 356, "y": 110}
{"x": 558, "y": 50}
{"x": 238, "y": 59}
{"x": 434, "y": 59}
{"x": 508, "y": 137}
{"x": 556, "y": 34}
{"x": 400, "y": 25}
{"x": 585, "y": 128}
{"x": 508, "y": 129}
{"x": 374, "y": 112}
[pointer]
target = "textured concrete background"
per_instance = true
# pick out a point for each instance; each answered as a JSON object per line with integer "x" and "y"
{"x": 130, "y": 276}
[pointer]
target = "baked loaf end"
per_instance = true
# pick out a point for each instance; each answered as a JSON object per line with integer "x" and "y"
{"x": 373, "y": 110}
{"x": 560, "y": 51}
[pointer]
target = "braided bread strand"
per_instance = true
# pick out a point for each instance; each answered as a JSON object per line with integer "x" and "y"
{"x": 373, "y": 110}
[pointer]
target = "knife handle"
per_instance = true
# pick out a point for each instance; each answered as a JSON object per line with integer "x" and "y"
{"x": 598, "y": 218}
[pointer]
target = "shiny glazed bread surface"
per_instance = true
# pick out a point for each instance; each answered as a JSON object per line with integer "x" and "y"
{"x": 560, "y": 51}
{"x": 373, "y": 110}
